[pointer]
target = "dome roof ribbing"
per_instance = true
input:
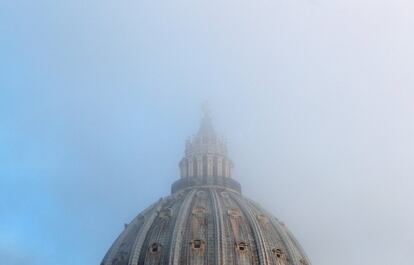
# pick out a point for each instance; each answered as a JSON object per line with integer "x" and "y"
{"x": 206, "y": 220}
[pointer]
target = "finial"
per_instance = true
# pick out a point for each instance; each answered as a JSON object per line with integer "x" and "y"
{"x": 206, "y": 126}
{"x": 205, "y": 108}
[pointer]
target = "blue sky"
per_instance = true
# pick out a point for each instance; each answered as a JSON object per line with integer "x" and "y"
{"x": 314, "y": 97}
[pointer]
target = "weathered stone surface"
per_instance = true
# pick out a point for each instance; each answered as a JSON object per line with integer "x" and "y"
{"x": 205, "y": 225}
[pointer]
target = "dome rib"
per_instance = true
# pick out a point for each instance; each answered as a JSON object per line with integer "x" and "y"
{"x": 143, "y": 233}
{"x": 177, "y": 234}
{"x": 283, "y": 232}
{"x": 289, "y": 246}
{"x": 121, "y": 249}
{"x": 299, "y": 248}
{"x": 219, "y": 227}
{"x": 206, "y": 220}
{"x": 206, "y": 225}
{"x": 257, "y": 232}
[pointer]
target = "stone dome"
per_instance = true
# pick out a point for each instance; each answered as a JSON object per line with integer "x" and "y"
{"x": 206, "y": 220}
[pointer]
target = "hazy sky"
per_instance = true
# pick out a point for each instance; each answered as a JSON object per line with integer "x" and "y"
{"x": 315, "y": 97}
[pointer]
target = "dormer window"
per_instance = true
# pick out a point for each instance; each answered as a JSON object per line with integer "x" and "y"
{"x": 155, "y": 248}
{"x": 278, "y": 252}
{"x": 197, "y": 244}
{"x": 242, "y": 246}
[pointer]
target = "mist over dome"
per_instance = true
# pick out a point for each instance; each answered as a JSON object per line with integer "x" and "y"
{"x": 206, "y": 219}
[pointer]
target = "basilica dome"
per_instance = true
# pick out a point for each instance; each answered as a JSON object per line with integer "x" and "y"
{"x": 206, "y": 220}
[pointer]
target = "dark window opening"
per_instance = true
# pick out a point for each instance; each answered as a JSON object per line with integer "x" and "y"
{"x": 278, "y": 252}
{"x": 154, "y": 248}
{"x": 197, "y": 244}
{"x": 242, "y": 246}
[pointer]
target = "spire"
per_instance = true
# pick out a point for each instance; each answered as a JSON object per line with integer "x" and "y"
{"x": 206, "y": 125}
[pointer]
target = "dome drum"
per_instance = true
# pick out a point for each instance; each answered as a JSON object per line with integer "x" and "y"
{"x": 225, "y": 182}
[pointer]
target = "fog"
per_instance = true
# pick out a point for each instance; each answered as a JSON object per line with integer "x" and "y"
{"x": 314, "y": 97}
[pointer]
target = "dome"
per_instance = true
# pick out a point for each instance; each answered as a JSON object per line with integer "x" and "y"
{"x": 206, "y": 220}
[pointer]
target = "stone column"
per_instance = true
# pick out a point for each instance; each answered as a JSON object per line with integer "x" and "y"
{"x": 226, "y": 168}
{"x": 199, "y": 166}
{"x": 219, "y": 166}
{"x": 184, "y": 168}
{"x": 190, "y": 168}
{"x": 209, "y": 165}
